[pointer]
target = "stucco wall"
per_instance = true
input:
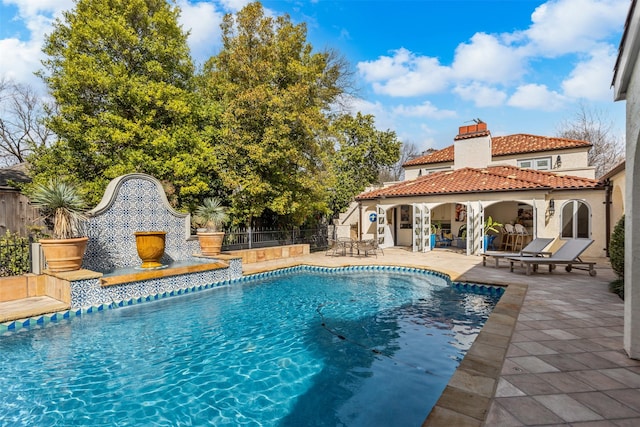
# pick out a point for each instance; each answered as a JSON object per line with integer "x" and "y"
{"x": 632, "y": 219}
{"x": 573, "y": 162}
{"x": 618, "y": 184}
{"x": 472, "y": 152}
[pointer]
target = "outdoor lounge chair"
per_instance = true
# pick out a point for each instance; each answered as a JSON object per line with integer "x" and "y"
{"x": 568, "y": 254}
{"x": 534, "y": 248}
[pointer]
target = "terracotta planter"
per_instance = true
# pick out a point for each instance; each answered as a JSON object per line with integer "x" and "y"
{"x": 150, "y": 246}
{"x": 64, "y": 254}
{"x": 210, "y": 242}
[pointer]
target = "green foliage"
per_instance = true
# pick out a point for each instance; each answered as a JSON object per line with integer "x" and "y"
{"x": 616, "y": 249}
{"x": 617, "y": 287}
{"x": 211, "y": 215}
{"x": 62, "y": 201}
{"x": 491, "y": 225}
{"x": 361, "y": 152}
{"x": 616, "y": 256}
{"x": 272, "y": 92}
{"x": 122, "y": 78}
{"x": 14, "y": 255}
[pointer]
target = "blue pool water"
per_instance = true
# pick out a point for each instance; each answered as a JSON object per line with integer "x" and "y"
{"x": 352, "y": 348}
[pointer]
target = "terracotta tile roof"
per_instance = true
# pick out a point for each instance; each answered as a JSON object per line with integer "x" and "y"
{"x": 524, "y": 143}
{"x": 440, "y": 156}
{"x": 471, "y": 180}
{"x": 504, "y": 146}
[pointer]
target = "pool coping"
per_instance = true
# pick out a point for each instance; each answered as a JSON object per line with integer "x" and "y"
{"x": 467, "y": 397}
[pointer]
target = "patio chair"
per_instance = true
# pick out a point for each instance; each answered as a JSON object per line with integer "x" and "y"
{"x": 335, "y": 247}
{"x": 367, "y": 247}
{"x": 508, "y": 238}
{"x": 568, "y": 254}
{"x": 521, "y": 232}
{"x": 534, "y": 248}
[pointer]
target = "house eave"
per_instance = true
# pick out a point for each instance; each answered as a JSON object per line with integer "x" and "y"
{"x": 627, "y": 54}
{"x": 510, "y": 190}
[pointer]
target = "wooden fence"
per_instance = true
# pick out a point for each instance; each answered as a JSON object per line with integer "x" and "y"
{"x": 16, "y": 213}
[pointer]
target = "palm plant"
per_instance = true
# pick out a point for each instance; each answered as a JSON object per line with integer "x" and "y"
{"x": 211, "y": 215}
{"x": 64, "y": 202}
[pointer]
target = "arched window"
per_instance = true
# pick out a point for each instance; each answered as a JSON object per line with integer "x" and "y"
{"x": 575, "y": 220}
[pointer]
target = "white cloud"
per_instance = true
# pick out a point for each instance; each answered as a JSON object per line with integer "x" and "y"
{"x": 591, "y": 79}
{"x": 20, "y": 60}
{"x": 405, "y": 74}
{"x": 29, "y": 8}
{"x": 234, "y": 5}
{"x": 485, "y": 58}
{"x": 384, "y": 119}
{"x": 565, "y": 26}
{"x": 481, "y": 95}
{"x": 385, "y": 67}
{"x": 536, "y": 97}
{"x": 202, "y": 20}
{"x": 425, "y": 110}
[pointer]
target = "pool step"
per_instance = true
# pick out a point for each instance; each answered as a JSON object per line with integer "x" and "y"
{"x": 30, "y": 307}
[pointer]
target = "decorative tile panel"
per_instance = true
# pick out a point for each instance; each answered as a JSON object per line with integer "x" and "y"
{"x": 134, "y": 202}
{"x": 88, "y": 293}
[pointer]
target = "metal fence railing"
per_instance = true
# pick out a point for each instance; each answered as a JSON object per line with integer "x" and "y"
{"x": 235, "y": 239}
{"x": 15, "y": 255}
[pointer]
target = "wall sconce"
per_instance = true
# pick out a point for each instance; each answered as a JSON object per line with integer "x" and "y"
{"x": 558, "y": 162}
{"x": 552, "y": 207}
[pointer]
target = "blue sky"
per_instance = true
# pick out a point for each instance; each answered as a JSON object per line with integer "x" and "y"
{"x": 422, "y": 67}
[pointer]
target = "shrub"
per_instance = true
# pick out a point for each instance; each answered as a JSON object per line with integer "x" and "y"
{"x": 616, "y": 249}
{"x": 617, "y": 287}
{"x": 616, "y": 256}
{"x": 14, "y": 255}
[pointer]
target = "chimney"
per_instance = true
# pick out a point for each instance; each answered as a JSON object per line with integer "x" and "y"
{"x": 467, "y": 131}
{"x": 472, "y": 146}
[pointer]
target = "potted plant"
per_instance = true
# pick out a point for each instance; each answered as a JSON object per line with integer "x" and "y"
{"x": 490, "y": 225}
{"x": 435, "y": 230}
{"x": 210, "y": 217}
{"x": 63, "y": 202}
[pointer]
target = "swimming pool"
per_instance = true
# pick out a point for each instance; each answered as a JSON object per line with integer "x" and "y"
{"x": 307, "y": 346}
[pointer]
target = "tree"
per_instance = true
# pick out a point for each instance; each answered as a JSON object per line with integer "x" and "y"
{"x": 395, "y": 172}
{"x": 21, "y": 122}
{"x": 361, "y": 152}
{"x": 273, "y": 92}
{"x": 593, "y": 126}
{"x": 121, "y": 74}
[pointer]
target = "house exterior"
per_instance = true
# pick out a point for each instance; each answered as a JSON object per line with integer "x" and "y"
{"x": 626, "y": 83}
{"x": 543, "y": 183}
{"x": 615, "y": 181}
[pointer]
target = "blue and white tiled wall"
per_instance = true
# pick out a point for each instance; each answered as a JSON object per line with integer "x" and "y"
{"x": 134, "y": 202}
{"x": 89, "y": 292}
